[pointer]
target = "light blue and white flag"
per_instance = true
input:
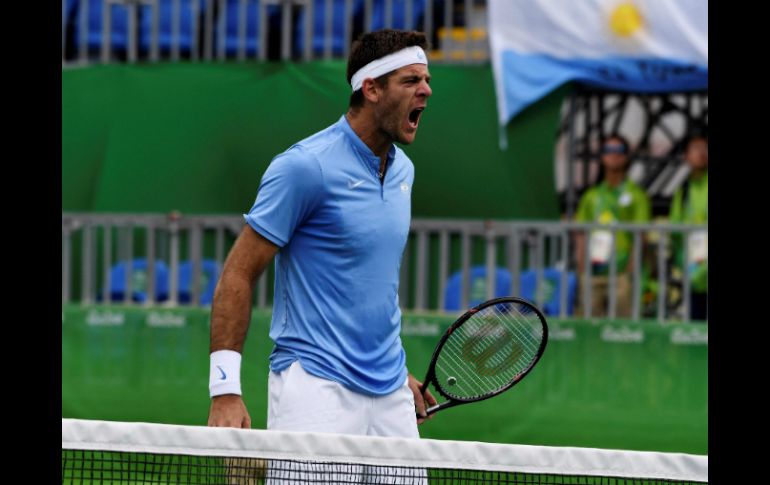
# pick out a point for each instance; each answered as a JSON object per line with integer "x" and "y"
{"x": 638, "y": 46}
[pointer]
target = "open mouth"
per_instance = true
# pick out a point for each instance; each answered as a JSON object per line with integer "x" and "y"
{"x": 414, "y": 117}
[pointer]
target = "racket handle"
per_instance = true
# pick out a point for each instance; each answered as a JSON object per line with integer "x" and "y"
{"x": 429, "y": 411}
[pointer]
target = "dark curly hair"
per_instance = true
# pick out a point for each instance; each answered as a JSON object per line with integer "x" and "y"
{"x": 373, "y": 45}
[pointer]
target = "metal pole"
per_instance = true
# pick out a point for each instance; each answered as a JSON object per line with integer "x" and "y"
{"x": 107, "y": 263}
{"x": 194, "y": 30}
{"x": 106, "y": 30}
{"x": 328, "y": 36}
{"x": 128, "y": 246}
{"x": 176, "y": 19}
{"x": 539, "y": 276}
{"x": 491, "y": 264}
{"x": 154, "y": 48}
{"x": 241, "y": 30}
{"x": 87, "y": 265}
{"x": 587, "y": 270}
{"x": 285, "y": 31}
{"x": 388, "y": 14}
{"x": 686, "y": 273}
{"x": 222, "y": 28}
{"x": 448, "y": 17}
{"x": 661, "y": 275}
{"x": 468, "y": 28}
{"x": 83, "y": 41}
{"x": 262, "y": 9}
{"x": 636, "y": 287}
{"x": 443, "y": 267}
{"x": 348, "y": 27}
{"x": 368, "y": 15}
{"x": 208, "y": 41}
{"x": 132, "y": 22}
{"x": 515, "y": 262}
{"x": 150, "y": 241}
{"x": 612, "y": 284}
{"x": 219, "y": 250}
{"x": 66, "y": 254}
{"x": 563, "y": 272}
{"x": 195, "y": 257}
{"x": 466, "y": 268}
{"x": 427, "y": 24}
{"x": 408, "y": 15}
{"x": 307, "y": 52}
{"x": 422, "y": 278}
{"x": 173, "y": 286}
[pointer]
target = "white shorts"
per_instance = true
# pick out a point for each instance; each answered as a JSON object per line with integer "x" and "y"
{"x": 298, "y": 401}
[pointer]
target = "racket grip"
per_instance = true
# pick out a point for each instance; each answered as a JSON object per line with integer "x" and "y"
{"x": 429, "y": 411}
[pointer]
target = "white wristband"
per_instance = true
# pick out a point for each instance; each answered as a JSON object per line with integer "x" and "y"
{"x": 225, "y": 374}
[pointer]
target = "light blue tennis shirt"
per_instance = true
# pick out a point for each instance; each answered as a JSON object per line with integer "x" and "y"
{"x": 342, "y": 234}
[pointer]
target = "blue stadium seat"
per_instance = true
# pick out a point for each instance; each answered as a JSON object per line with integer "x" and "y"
{"x": 550, "y": 286}
{"x": 229, "y": 21}
{"x": 70, "y": 12}
{"x": 166, "y": 40}
{"x": 357, "y": 13}
{"x": 398, "y": 20}
{"x": 209, "y": 276}
{"x": 478, "y": 285}
{"x": 119, "y": 27}
{"x": 319, "y": 26}
{"x": 119, "y": 21}
{"x": 138, "y": 280}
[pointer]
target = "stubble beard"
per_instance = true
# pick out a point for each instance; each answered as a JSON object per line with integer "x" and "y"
{"x": 390, "y": 123}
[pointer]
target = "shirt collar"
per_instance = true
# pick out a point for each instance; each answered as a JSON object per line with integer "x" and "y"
{"x": 362, "y": 148}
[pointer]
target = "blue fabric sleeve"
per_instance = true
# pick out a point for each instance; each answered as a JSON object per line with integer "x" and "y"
{"x": 288, "y": 193}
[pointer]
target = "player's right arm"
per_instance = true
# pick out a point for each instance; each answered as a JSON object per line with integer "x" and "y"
{"x": 231, "y": 314}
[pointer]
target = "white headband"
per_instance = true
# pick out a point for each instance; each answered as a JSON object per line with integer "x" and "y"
{"x": 409, "y": 55}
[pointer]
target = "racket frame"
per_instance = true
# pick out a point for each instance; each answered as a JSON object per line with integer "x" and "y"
{"x": 431, "y": 374}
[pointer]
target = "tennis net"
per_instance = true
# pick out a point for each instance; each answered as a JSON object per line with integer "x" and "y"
{"x": 116, "y": 453}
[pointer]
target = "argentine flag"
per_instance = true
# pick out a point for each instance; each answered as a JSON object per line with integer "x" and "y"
{"x": 636, "y": 46}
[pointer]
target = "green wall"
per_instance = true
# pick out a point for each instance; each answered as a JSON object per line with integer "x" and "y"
{"x": 197, "y": 138}
{"x": 623, "y": 385}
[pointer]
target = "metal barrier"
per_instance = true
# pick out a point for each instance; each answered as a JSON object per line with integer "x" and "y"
{"x": 172, "y": 30}
{"x": 463, "y": 260}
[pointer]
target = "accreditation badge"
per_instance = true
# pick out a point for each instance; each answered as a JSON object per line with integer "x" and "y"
{"x": 601, "y": 246}
{"x": 624, "y": 200}
{"x": 698, "y": 246}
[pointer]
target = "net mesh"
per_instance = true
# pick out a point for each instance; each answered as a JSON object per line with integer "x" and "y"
{"x": 134, "y": 453}
{"x": 489, "y": 350}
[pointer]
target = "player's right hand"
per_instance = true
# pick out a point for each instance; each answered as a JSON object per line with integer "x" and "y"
{"x": 229, "y": 411}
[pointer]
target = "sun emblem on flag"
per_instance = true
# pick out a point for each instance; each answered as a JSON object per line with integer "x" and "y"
{"x": 625, "y": 19}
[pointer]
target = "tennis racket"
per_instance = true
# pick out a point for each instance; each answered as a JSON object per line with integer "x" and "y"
{"x": 489, "y": 349}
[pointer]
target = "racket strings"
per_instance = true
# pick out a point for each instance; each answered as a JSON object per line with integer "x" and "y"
{"x": 490, "y": 350}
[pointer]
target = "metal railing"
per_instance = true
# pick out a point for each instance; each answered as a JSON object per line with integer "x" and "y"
{"x": 464, "y": 261}
{"x": 105, "y": 31}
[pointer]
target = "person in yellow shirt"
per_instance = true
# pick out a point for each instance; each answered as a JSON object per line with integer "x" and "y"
{"x": 615, "y": 198}
{"x": 690, "y": 206}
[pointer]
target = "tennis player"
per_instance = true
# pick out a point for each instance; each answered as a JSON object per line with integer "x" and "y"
{"x": 334, "y": 210}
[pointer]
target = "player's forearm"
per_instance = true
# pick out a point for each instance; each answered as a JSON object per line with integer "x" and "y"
{"x": 231, "y": 312}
